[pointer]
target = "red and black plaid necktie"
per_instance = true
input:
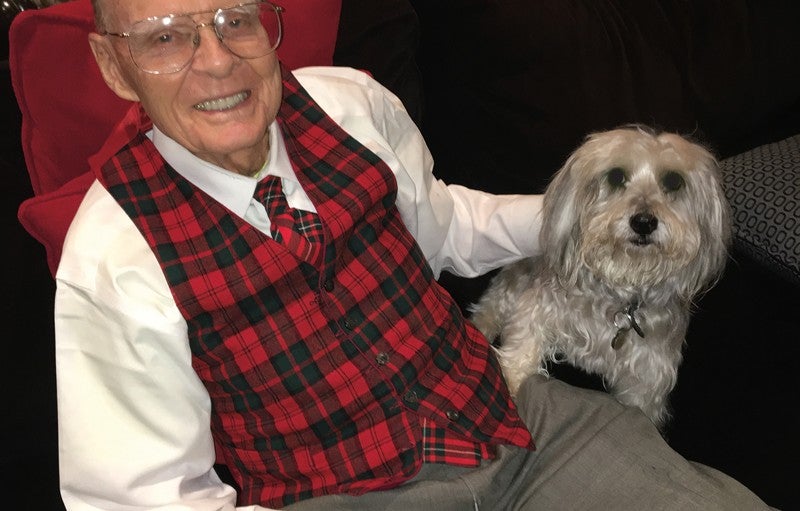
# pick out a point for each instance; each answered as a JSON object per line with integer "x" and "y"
{"x": 300, "y": 231}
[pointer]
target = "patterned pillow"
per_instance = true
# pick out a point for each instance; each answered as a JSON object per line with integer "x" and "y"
{"x": 763, "y": 187}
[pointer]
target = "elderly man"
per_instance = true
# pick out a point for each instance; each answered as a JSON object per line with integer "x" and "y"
{"x": 252, "y": 280}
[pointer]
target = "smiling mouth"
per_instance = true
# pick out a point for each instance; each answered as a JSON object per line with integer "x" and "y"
{"x": 222, "y": 104}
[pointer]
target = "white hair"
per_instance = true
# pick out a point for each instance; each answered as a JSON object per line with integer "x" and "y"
{"x": 634, "y": 226}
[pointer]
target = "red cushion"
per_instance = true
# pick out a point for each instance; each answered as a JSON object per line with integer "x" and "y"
{"x": 68, "y": 112}
{"x": 46, "y": 217}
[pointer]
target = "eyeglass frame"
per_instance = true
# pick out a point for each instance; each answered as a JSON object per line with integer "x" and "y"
{"x": 127, "y": 35}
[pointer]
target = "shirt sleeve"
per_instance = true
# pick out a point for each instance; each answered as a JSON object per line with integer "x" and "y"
{"x": 467, "y": 232}
{"x": 133, "y": 417}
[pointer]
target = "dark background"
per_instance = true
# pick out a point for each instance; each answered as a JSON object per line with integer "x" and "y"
{"x": 469, "y": 77}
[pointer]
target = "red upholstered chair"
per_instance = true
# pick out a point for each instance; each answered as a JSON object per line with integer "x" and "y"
{"x": 69, "y": 115}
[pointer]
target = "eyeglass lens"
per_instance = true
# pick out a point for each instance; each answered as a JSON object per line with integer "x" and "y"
{"x": 167, "y": 44}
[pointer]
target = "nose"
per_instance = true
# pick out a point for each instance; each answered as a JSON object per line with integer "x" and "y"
{"x": 644, "y": 223}
{"x": 211, "y": 54}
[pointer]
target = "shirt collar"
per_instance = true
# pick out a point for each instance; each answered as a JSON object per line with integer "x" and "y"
{"x": 232, "y": 190}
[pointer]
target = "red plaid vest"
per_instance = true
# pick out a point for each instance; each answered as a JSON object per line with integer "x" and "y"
{"x": 323, "y": 379}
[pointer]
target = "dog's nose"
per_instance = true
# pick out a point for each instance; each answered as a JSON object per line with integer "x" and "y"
{"x": 643, "y": 223}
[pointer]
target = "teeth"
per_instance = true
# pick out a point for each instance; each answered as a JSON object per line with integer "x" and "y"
{"x": 222, "y": 103}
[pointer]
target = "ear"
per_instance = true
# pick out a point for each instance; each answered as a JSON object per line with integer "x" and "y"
{"x": 110, "y": 67}
{"x": 716, "y": 226}
{"x": 720, "y": 212}
{"x": 560, "y": 230}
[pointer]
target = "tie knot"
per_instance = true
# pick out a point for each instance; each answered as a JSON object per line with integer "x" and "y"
{"x": 269, "y": 191}
{"x": 300, "y": 231}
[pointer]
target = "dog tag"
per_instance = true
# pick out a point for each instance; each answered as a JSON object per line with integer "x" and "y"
{"x": 624, "y": 320}
{"x": 619, "y": 339}
{"x": 636, "y": 327}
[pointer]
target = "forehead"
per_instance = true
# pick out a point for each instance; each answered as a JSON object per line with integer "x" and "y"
{"x": 130, "y": 11}
{"x": 629, "y": 149}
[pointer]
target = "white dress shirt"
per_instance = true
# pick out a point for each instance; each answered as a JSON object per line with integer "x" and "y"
{"x": 133, "y": 416}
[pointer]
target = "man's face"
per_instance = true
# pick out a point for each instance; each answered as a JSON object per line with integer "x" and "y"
{"x": 218, "y": 107}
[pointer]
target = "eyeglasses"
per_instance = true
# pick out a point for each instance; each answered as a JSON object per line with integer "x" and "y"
{"x": 166, "y": 44}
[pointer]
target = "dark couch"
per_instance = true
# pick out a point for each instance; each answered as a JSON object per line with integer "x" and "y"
{"x": 511, "y": 87}
{"x": 503, "y": 90}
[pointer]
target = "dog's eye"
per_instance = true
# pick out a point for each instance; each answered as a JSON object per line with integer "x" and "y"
{"x": 616, "y": 177}
{"x": 672, "y": 181}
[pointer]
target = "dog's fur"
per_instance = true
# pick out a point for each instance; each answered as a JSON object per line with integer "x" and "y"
{"x": 634, "y": 226}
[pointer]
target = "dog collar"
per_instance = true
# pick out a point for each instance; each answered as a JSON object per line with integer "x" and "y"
{"x": 625, "y": 320}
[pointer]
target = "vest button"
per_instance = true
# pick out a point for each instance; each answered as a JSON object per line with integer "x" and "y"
{"x": 453, "y": 415}
{"x": 328, "y": 285}
{"x": 348, "y": 323}
{"x": 382, "y": 358}
{"x": 411, "y": 397}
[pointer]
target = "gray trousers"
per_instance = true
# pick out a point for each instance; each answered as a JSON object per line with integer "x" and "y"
{"x": 592, "y": 454}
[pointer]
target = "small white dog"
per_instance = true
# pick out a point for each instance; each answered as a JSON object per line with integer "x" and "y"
{"x": 634, "y": 226}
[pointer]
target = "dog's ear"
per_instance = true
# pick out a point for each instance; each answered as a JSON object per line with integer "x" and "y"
{"x": 715, "y": 222}
{"x": 560, "y": 233}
